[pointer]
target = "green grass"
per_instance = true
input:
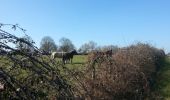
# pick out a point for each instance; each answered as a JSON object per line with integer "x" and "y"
{"x": 78, "y": 62}
{"x": 162, "y": 87}
{"x": 79, "y": 59}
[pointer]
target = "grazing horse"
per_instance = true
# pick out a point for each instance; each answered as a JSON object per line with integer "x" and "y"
{"x": 66, "y": 56}
{"x": 69, "y": 56}
{"x": 57, "y": 54}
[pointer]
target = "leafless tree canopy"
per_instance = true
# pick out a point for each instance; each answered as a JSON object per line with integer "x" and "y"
{"x": 66, "y": 45}
{"x": 48, "y": 45}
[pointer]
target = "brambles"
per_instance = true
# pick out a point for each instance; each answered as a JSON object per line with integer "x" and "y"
{"x": 27, "y": 74}
{"x": 128, "y": 74}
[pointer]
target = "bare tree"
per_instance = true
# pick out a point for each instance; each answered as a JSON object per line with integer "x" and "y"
{"x": 92, "y": 45}
{"x": 66, "y": 45}
{"x": 84, "y": 48}
{"x": 47, "y": 44}
{"x": 88, "y": 47}
{"x": 114, "y": 48}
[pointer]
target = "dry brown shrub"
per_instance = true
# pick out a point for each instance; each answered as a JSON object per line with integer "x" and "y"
{"x": 128, "y": 74}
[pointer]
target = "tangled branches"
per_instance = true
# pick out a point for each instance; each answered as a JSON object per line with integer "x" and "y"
{"x": 127, "y": 75}
{"x": 28, "y": 74}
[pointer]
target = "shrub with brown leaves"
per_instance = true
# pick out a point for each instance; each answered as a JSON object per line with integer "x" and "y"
{"x": 128, "y": 74}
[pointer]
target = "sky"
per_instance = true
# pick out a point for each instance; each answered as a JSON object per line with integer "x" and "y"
{"x": 107, "y": 22}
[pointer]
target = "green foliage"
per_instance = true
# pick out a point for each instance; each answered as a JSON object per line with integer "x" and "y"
{"x": 162, "y": 86}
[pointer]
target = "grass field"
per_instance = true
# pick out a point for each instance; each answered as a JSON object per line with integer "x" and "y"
{"x": 78, "y": 62}
{"x": 77, "y": 59}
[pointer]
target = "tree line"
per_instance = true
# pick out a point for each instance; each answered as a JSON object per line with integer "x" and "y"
{"x": 48, "y": 45}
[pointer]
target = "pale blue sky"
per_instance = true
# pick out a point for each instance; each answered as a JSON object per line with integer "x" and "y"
{"x": 117, "y": 22}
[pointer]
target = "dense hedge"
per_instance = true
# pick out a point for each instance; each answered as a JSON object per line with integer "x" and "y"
{"x": 127, "y": 74}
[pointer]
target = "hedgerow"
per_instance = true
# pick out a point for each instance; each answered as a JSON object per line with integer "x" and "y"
{"x": 128, "y": 74}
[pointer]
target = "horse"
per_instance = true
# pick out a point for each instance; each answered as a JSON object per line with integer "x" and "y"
{"x": 69, "y": 56}
{"x": 57, "y": 54}
{"x": 66, "y": 56}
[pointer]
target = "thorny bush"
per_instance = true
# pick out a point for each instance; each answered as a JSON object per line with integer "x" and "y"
{"x": 128, "y": 74}
{"x": 26, "y": 74}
